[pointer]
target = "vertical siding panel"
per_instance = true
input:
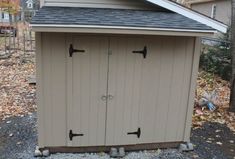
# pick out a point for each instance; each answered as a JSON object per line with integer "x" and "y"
{"x": 120, "y": 92}
{"x": 85, "y": 88}
{"x": 149, "y": 89}
{"x": 69, "y": 89}
{"x": 102, "y": 90}
{"x": 46, "y": 57}
{"x": 110, "y": 124}
{"x": 134, "y": 76}
{"x": 176, "y": 90}
{"x": 189, "y": 45}
{"x": 137, "y": 60}
{"x": 99, "y": 52}
{"x": 194, "y": 72}
{"x": 165, "y": 88}
{"x": 89, "y": 84}
{"x": 122, "y": 115}
{"x": 58, "y": 87}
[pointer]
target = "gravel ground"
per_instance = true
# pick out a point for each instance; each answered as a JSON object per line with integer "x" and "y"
{"x": 18, "y": 139}
{"x": 214, "y": 141}
{"x": 158, "y": 154}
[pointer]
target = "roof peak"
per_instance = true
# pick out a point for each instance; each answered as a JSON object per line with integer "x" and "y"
{"x": 189, "y": 13}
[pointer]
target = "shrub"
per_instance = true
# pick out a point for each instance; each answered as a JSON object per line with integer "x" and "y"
{"x": 216, "y": 59}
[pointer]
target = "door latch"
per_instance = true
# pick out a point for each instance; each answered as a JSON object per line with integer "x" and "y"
{"x": 71, "y": 135}
{"x": 138, "y": 133}
{"x": 72, "y": 50}
{"x": 144, "y": 52}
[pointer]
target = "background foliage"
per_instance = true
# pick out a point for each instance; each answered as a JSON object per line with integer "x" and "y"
{"x": 216, "y": 59}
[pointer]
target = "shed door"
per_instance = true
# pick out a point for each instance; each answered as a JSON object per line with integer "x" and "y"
{"x": 87, "y": 87}
{"x": 123, "y": 90}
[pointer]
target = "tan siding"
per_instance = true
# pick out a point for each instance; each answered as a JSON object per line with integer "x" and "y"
{"x": 192, "y": 88}
{"x": 53, "y": 95}
{"x": 89, "y": 81}
{"x": 164, "y": 74}
{"x": 139, "y": 4}
{"x": 189, "y": 46}
{"x": 123, "y": 85}
{"x": 151, "y": 93}
{"x": 58, "y": 87}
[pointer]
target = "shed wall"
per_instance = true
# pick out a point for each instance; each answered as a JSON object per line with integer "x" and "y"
{"x": 165, "y": 113}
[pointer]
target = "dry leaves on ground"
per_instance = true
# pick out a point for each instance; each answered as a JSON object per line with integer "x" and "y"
{"x": 208, "y": 83}
{"x": 17, "y": 97}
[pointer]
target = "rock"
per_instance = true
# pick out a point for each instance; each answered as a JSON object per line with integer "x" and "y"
{"x": 219, "y": 143}
{"x": 113, "y": 152}
{"x": 186, "y": 147}
{"x": 37, "y": 152}
{"x": 8, "y": 122}
{"x": 121, "y": 152}
{"x": 46, "y": 153}
{"x": 183, "y": 147}
{"x": 190, "y": 146}
{"x": 32, "y": 80}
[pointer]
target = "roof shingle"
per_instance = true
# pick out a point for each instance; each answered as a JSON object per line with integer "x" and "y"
{"x": 115, "y": 17}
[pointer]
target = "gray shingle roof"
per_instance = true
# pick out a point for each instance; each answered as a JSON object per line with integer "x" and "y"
{"x": 115, "y": 17}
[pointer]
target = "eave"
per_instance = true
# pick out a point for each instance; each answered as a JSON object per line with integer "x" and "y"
{"x": 119, "y": 30}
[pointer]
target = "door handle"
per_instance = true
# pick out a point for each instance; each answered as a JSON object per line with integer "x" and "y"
{"x": 110, "y": 97}
{"x": 104, "y": 98}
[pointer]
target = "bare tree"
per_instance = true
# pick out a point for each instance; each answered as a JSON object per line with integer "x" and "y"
{"x": 232, "y": 97}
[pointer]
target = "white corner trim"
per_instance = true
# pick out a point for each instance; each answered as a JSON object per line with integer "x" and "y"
{"x": 190, "y": 14}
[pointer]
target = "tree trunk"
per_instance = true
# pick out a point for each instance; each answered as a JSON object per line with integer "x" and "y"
{"x": 232, "y": 97}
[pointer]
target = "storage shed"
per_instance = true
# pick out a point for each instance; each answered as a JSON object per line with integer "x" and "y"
{"x": 116, "y": 73}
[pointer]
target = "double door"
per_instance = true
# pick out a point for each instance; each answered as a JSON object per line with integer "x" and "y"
{"x": 104, "y": 91}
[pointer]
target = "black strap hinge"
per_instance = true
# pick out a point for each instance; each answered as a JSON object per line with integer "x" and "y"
{"x": 72, "y": 50}
{"x": 144, "y": 52}
{"x": 72, "y": 135}
{"x": 138, "y": 133}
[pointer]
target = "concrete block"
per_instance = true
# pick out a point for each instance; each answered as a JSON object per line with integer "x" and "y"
{"x": 46, "y": 153}
{"x": 113, "y": 152}
{"x": 121, "y": 152}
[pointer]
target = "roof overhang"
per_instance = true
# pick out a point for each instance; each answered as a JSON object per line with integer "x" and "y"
{"x": 175, "y": 7}
{"x": 119, "y": 30}
{"x": 199, "y": 1}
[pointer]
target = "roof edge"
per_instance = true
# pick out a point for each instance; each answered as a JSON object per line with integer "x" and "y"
{"x": 119, "y": 30}
{"x": 180, "y": 9}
